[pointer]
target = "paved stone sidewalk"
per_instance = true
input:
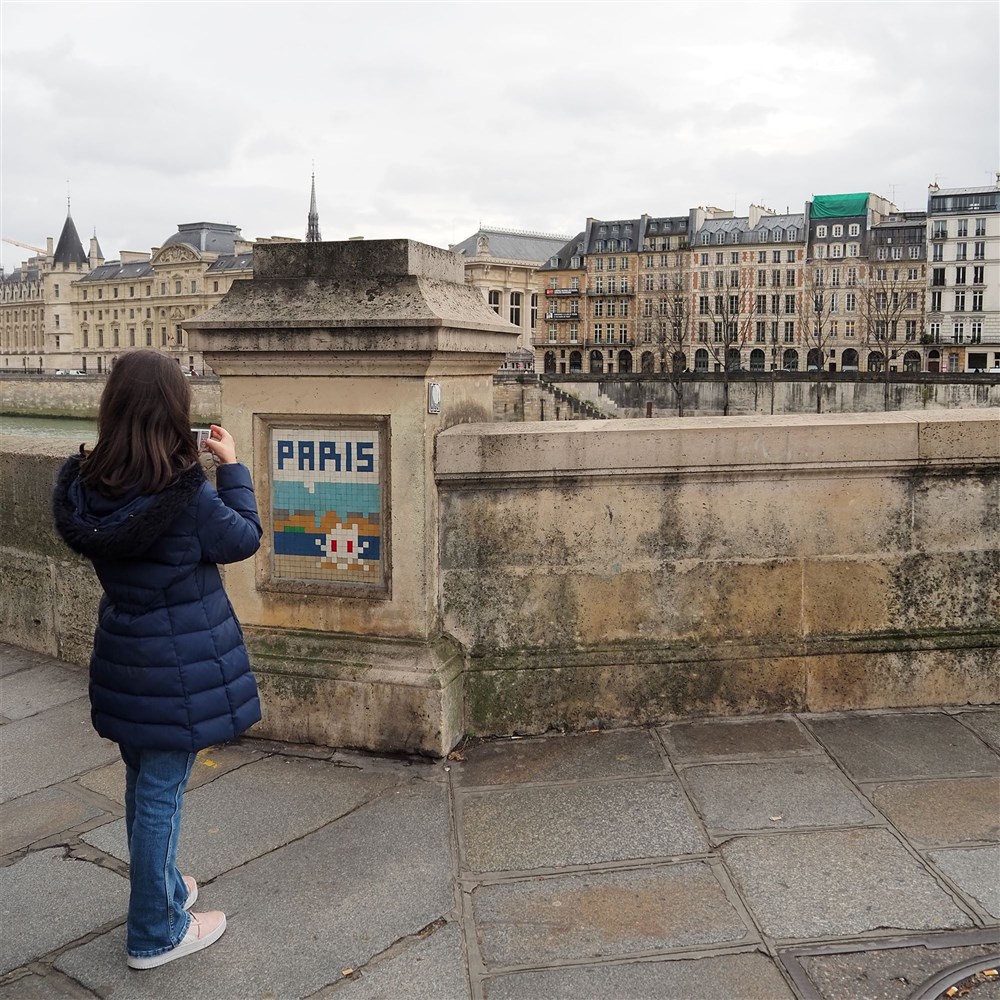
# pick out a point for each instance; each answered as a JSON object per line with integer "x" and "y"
{"x": 848, "y": 857}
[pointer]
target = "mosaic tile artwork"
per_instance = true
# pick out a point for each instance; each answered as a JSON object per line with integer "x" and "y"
{"x": 326, "y": 504}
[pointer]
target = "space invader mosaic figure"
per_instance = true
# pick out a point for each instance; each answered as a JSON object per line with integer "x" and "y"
{"x": 343, "y": 547}
{"x": 327, "y": 504}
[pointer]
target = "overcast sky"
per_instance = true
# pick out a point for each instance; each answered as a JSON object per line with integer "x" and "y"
{"x": 426, "y": 119}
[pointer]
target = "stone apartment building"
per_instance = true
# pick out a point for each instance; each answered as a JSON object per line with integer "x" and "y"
{"x": 746, "y": 290}
{"x": 963, "y": 287}
{"x": 503, "y": 264}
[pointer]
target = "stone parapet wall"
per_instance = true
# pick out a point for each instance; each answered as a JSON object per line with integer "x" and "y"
{"x": 79, "y": 396}
{"x": 526, "y": 396}
{"x": 644, "y": 570}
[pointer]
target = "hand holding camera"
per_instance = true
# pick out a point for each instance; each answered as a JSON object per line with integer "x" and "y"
{"x": 217, "y": 441}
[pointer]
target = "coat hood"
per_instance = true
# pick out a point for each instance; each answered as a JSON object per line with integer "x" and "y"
{"x": 101, "y": 527}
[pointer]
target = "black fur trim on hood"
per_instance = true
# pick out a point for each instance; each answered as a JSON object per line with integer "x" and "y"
{"x": 126, "y": 531}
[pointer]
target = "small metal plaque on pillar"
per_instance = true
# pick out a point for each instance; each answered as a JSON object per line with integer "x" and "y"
{"x": 328, "y": 485}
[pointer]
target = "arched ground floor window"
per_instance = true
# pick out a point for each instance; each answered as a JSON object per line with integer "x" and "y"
{"x": 575, "y": 361}
{"x": 625, "y": 362}
{"x": 701, "y": 360}
{"x": 596, "y": 362}
{"x": 790, "y": 360}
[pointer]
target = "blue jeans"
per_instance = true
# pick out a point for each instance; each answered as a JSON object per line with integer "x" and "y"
{"x": 154, "y": 788}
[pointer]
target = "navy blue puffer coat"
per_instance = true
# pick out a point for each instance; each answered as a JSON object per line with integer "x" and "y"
{"x": 169, "y": 670}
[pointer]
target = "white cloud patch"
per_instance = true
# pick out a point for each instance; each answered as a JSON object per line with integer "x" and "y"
{"x": 424, "y": 119}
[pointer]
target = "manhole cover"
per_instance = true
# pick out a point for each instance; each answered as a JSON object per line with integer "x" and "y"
{"x": 893, "y": 968}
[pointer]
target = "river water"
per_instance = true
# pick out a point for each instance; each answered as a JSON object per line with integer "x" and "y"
{"x": 52, "y": 435}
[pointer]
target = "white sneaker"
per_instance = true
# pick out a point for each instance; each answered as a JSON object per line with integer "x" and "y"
{"x": 192, "y": 888}
{"x": 205, "y": 929}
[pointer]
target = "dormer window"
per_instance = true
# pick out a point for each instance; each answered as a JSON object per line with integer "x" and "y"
{"x": 706, "y": 238}
{"x": 720, "y": 237}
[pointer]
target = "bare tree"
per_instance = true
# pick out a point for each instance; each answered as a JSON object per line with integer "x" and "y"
{"x": 673, "y": 334}
{"x": 729, "y": 318}
{"x": 882, "y": 301}
{"x": 817, "y": 304}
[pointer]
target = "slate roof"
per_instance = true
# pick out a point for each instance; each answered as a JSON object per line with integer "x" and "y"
{"x": 31, "y": 273}
{"x": 232, "y": 262}
{"x": 512, "y": 244}
{"x": 115, "y": 270}
{"x": 69, "y": 249}
{"x": 561, "y": 260}
{"x": 206, "y": 237}
{"x": 741, "y": 226}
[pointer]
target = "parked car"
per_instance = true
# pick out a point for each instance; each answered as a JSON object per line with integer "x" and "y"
{"x": 69, "y": 371}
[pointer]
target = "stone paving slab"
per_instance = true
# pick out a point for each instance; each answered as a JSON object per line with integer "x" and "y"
{"x": 985, "y": 722}
{"x": 557, "y": 825}
{"x": 884, "y": 974}
{"x": 937, "y": 813}
{"x": 431, "y": 969}
{"x": 34, "y": 913}
{"x": 48, "y": 748}
{"x": 299, "y": 916}
{"x": 905, "y": 745}
{"x": 837, "y": 883}
{"x": 603, "y": 915}
{"x": 606, "y": 754}
{"x": 29, "y": 692}
{"x": 731, "y": 738}
{"x": 774, "y": 795}
{"x": 49, "y": 987}
{"x": 744, "y": 976}
{"x": 13, "y": 659}
{"x": 976, "y": 872}
{"x": 209, "y": 764}
{"x": 42, "y": 814}
{"x": 255, "y": 809}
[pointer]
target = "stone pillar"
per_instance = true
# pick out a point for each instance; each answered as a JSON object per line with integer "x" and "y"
{"x": 332, "y": 361}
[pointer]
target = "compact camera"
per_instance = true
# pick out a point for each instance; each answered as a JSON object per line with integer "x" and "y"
{"x": 201, "y": 435}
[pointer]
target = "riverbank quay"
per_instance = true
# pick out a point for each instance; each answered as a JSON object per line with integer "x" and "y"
{"x": 842, "y": 855}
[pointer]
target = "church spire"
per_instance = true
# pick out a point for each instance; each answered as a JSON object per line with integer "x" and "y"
{"x": 312, "y": 232}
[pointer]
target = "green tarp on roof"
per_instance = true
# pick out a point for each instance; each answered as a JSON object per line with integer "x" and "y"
{"x": 835, "y": 206}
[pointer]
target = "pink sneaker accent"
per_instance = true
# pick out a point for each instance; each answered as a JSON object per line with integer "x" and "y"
{"x": 205, "y": 929}
{"x": 192, "y": 888}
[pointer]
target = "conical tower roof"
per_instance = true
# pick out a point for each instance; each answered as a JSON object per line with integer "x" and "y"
{"x": 69, "y": 249}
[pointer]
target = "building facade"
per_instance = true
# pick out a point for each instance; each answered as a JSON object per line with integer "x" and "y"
{"x": 963, "y": 289}
{"x": 503, "y": 264}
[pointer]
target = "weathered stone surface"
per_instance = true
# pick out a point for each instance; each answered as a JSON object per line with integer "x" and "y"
{"x": 935, "y": 813}
{"x": 505, "y": 696}
{"x": 50, "y": 747}
{"x": 32, "y": 691}
{"x": 747, "y": 976}
{"x": 51, "y": 986}
{"x": 305, "y": 912}
{"x": 774, "y": 795}
{"x": 883, "y": 974}
{"x": 840, "y": 883}
{"x": 14, "y": 658}
{"x": 924, "y": 744}
{"x": 985, "y": 723}
{"x": 715, "y": 739}
{"x": 605, "y": 754}
{"x": 256, "y": 809}
{"x": 541, "y": 827}
{"x": 26, "y": 614}
{"x": 901, "y": 678}
{"x": 430, "y": 969}
{"x": 975, "y": 871}
{"x": 603, "y": 915}
{"x": 33, "y": 895}
{"x": 41, "y": 814}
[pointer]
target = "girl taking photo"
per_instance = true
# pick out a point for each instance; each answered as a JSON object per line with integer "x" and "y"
{"x": 169, "y": 674}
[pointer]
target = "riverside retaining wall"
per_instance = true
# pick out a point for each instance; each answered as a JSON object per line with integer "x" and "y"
{"x": 602, "y": 574}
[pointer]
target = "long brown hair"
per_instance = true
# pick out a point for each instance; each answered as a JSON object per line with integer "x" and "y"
{"x": 143, "y": 427}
